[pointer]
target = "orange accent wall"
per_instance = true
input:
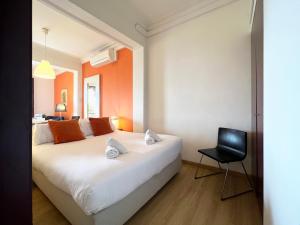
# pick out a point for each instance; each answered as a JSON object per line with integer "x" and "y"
{"x": 64, "y": 81}
{"x": 115, "y": 88}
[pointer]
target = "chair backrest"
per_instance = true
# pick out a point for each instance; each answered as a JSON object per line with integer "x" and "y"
{"x": 54, "y": 118}
{"x": 232, "y": 142}
{"x": 75, "y": 117}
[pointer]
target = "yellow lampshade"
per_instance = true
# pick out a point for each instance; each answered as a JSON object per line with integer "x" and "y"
{"x": 60, "y": 108}
{"x": 44, "y": 70}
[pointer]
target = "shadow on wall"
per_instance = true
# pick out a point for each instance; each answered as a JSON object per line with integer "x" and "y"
{"x": 156, "y": 91}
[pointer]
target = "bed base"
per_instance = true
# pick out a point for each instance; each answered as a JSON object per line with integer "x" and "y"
{"x": 116, "y": 214}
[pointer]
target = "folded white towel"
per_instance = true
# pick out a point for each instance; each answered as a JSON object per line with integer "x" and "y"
{"x": 116, "y": 144}
{"x": 153, "y": 135}
{"x": 111, "y": 152}
{"x": 149, "y": 140}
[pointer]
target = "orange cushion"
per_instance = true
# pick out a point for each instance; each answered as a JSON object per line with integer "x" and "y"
{"x": 65, "y": 131}
{"x": 100, "y": 126}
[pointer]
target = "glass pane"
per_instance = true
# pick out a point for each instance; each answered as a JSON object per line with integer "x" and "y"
{"x": 91, "y": 100}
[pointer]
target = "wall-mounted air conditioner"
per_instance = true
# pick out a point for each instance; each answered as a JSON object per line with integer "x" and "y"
{"x": 104, "y": 57}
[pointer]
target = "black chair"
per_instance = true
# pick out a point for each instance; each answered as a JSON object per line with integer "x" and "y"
{"x": 75, "y": 117}
{"x": 232, "y": 147}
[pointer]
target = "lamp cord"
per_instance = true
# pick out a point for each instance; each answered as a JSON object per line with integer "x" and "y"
{"x": 45, "y": 46}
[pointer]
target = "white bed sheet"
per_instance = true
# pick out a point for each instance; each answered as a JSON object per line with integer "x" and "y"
{"x": 81, "y": 169}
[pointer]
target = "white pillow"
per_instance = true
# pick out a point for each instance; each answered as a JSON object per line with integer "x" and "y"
{"x": 85, "y": 127}
{"x": 112, "y": 126}
{"x": 41, "y": 134}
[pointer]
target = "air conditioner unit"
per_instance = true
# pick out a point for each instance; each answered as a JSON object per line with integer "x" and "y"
{"x": 105, "y": 57}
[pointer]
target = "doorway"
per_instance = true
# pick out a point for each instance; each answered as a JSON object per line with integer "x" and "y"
{"x": 92, "y": 96}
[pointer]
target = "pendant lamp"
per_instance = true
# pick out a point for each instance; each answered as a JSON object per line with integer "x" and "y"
{"x": 44, "y": 69}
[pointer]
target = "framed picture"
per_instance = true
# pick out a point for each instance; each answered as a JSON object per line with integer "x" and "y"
{"x": 64, "y": 96}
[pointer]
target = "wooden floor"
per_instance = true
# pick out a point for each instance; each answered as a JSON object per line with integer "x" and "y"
{"x": 183, "y": 201}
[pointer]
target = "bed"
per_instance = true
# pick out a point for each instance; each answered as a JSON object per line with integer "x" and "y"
{"x": 91, "y": 190}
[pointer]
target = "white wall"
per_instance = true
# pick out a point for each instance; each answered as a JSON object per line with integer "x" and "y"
{"x": 44, "y": 96}
{"x": 199, "y": 78}
{"x": 281, "y": 112}
{"x": 60, "y": 59}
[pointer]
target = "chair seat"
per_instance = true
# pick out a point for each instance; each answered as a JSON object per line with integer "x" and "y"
{"x": 220, "y": 156}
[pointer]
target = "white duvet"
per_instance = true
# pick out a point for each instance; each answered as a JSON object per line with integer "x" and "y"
{"x": 81, "y": 169}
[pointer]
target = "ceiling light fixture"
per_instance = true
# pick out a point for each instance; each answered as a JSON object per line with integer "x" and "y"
{"x": 44, "y": 69}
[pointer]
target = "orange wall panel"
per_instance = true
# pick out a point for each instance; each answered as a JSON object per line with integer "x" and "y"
{"x": 115, "y": 88}
{"x": 64, "y": 81}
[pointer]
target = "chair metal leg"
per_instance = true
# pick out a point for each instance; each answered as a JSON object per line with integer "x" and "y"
{"x": 249, "y": 181}
{"x": 238, "y": 194}
{"x": 207, "y": 175}
{"x": 224, "y": 182}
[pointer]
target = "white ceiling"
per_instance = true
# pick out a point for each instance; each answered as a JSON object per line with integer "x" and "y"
{"x": 155, "y": 11}
{"x": 65, "y": 34}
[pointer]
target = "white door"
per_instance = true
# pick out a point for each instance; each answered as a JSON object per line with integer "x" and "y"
{"x": 92, "y": 96}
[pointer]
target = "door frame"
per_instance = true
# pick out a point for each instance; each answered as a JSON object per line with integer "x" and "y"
{"x": 73, "y": 11}
{"x": 95, "y": 79}
{"x": 16, "y": 112}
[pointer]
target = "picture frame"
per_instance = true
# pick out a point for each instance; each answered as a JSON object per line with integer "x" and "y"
{"x": 64, "y": 96}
